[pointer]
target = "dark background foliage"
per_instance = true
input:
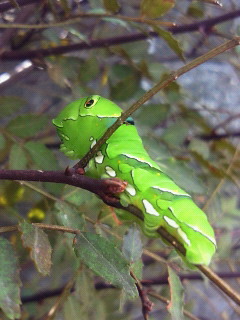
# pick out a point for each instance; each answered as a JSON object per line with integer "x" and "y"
{"x": 53, "y": 52}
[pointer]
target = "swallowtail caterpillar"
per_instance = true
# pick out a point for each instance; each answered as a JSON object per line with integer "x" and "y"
{"x": 81, "y": 123}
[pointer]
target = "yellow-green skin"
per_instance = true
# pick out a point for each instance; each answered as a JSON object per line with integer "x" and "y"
{"x": 81, "y": 123}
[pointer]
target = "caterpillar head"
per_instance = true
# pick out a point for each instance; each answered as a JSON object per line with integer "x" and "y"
{"x": 82, "y": 122}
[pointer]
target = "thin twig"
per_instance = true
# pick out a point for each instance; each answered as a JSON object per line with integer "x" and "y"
{"x": 166, "y": 301}
{"x": 205, "y": 25}
{"x": 159, "y": 86}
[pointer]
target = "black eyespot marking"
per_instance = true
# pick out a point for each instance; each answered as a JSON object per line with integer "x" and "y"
{"x": 89, "y": 103}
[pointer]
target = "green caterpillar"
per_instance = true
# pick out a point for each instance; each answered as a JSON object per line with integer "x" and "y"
{"x": 81, "y": 123}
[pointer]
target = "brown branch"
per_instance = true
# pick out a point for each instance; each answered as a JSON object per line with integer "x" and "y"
{"x": 147, "y": 305}
{"x": 203, "y": 26}
{"x": 219, "y": 136}
{"x": 146, "y": 283}
{"x": 104, "y": 188}
{"x": 101, "y": 187}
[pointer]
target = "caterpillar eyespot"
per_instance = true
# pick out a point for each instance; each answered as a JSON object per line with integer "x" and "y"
{"x": 91, "y": 101}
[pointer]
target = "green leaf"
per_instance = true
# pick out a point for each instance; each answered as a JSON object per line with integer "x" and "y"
{"x": 2, "y": 141}
{"x": 111, "y": 5}
{"x": 73, "y": 308}
{"x": 89, "y": 69}
{"x": 156, "y": 8}
{"x": 177, "y": 294}
{"x": 10, "y": 105}
{"x": 69, "y": 216}
{"x": 41, "y": 156}
{"x": 17, "y": 158}
{"x": 9, "y": 280}
{"x": 37, "y": 241}
{"x": 176, "y": 133}
{"x": 27, "y": 125}
{"x": 101, "y": 256}
{"x": 195, "y": 10}
{"x": 152, "y": 114}
{"x": 124, "y": 82}
{"x": 171, "y": 41}
{"x": 132, "y": 245}
{"x": 201, "y": 147}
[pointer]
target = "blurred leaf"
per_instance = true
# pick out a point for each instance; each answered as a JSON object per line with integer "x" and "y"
{"x": 2, "y": 141}
{"x": 182, "y": 175}
{"x": 75, "y": 195}
{"x": 10, "y": 105}
{"x": 171, "y": 41}
{"x": 78, "y": 34}
{"x": 176, "y": 133}
{"x": 156, "y": 8}
{"x": 41, "y": 155}
{"x": 9, "y": 280}
{"x": 13, "y": 193}
{"x": 100, "y": 255}
{"x": 14, "y": 3}
{"x": 195, "y": 10}
{"x": 37, "y": 241}
{"x": 152, "y": 114}
{"x": 137, "y": 53}
{"x": 17, "y": 158}
{"x": 36, "y": 215}
{"x": 216, "y": 2}
{"x": 27, "y": 125}
{"x": 66, "y": 6}
{"x": 52, "y": 35}
{"x": 72, "y": 309}
{"x": 132, "y": 245}
{"x": 111, "y": 5}
{"x": 69, "y": 216}
{"x": 156, "y": 70}
{"x": 89, "y": 69}
{"x": 201, "y": 147}
{"x": 124, "y": 82}
{"x": 85, "y": 300}
{"x": 119, "y": 22}
{"x": 120, "y": 71}
{"x": 175, "y": 307}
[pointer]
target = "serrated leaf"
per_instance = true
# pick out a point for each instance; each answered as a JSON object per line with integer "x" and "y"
{"x": 17, "y": 158}
{"x": 68, "y": 216}
{"x": 9, "y": 105}
{"x": 102, "y": 257}
{"x": 171, "y": 41}
{"x": 27, "y": 125}
{"x": 9, "y": 280}
{"x": 175, "y": 307}
{"x": 132, "y": 245}
{"x": 156, "y": 8}
{"x": 41, "y": 155}
{"x": 111, "y": 5}
{"x": 37, "y": 241}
